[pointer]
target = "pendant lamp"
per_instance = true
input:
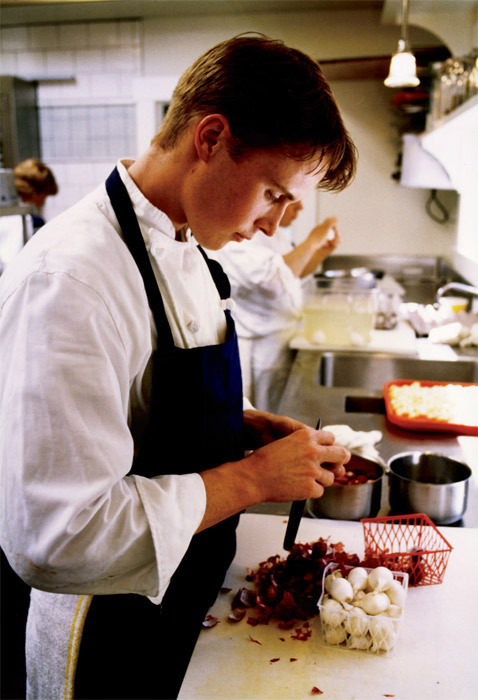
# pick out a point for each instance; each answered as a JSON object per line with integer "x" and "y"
{"x": 403, "y": 66}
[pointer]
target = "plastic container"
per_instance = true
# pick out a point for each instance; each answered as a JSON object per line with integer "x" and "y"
{"x": 355, "y": 631}
{"x": 340, "y": 317}
{"x": 410, "y": 543}
{"x": 455, "y": 304}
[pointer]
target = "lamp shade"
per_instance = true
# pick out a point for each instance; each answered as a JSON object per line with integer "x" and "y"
{"x": 420, "y": 168}
{"x": 403, "y": 70}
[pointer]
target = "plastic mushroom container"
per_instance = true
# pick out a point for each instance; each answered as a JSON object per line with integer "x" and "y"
{"x": 362, "y": 613}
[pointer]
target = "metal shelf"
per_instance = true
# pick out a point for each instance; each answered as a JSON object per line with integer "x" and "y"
{"x": 16, "y": 209}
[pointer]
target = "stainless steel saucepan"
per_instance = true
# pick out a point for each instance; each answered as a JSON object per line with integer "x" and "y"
{"x": 426, "y": 482}
{"x": 351, "y": 501}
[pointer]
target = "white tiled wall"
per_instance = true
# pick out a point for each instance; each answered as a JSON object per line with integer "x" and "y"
{"x": 85, "y": 95}
{"x": 65, "y": 49}
{"x": 74, "y": 183}
{"x": 87, "y": 132}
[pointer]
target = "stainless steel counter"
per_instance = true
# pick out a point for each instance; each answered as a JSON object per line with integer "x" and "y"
{"x": 305, "y": 400}
{"x": 420, "y": 276}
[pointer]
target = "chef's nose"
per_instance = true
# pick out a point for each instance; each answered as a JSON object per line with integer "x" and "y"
{"x": 270, "y": 223}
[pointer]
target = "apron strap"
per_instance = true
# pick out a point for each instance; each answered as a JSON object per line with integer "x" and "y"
{"x": 133, "y": 238}
{"x": 220, "y": 278}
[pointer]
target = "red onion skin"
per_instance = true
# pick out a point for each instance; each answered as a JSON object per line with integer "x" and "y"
{"x": 288, "y": 590}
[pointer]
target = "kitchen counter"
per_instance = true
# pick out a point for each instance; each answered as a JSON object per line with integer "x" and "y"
{"x": 435, "y": 656}
{"x": 305, "y": 400}
{"x": 400, "y": 339}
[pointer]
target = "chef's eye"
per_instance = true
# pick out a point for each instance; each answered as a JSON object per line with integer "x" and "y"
{"x": 272, "y": 197}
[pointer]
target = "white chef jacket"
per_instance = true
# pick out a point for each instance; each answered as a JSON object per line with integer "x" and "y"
{"x": 76, "y": 337}
{"x": 268, "y": 306}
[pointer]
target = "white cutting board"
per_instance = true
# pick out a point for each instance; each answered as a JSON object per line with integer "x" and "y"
{"x": 435, "y": 657}
{"x": 400, "y": 340}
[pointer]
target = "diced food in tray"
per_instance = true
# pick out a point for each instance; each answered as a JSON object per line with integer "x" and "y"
{"x": 424, "y": 405}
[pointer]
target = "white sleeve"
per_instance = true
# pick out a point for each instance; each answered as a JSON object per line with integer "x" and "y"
{"x": 246, "y": 404}
{"x": 72, "y": 521}
{"x": 260, "y": 274}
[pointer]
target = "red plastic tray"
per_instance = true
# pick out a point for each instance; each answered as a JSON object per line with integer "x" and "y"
{"x": 422, "y": 423}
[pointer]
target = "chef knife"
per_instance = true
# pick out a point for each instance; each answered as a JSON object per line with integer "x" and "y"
{"x": 295, "y": 516}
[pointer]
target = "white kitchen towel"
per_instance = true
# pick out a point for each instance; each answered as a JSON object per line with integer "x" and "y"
{"x": 360, "y": 441}
{"x": 54, "y": 630}
{"x": 472, "y": 338}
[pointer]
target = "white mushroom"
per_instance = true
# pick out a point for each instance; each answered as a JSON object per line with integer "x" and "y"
{"x": 358, "y": 578}
{"x": 382, "y": 630}
{"x": 380, "y": 579}
{"x": 332, "y": 612}
{"x": 341, "y": 590}
{"x": 357, "y": 598}
{"x": 394, "y": 611}
{"x": 375, "y": 603}
{"x": 334, "y": 635}
{"x": 361, "y": 642}
{"x": 396, "y": 593}
{"x": 330, "y": 577}
{"x": 356, "y": 623}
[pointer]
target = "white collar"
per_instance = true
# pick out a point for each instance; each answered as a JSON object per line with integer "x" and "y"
{"x": 149, "y": 216}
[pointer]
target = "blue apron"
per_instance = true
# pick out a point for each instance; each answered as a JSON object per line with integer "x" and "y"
{"x": 131, "y": 648}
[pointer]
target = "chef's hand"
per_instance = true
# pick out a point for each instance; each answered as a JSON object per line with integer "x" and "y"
{"x": 325, "y": 235}
{"x": 298, "y": 466}
{"x": 292, "y": 468}
{"x": 261, "y": 428}
{"x": 304, "y": 259}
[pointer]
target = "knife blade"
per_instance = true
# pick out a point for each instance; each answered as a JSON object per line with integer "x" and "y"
{"x": 295, "y": 516}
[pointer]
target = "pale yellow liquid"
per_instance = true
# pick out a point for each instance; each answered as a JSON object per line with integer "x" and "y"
{"x": 330, "y": 321}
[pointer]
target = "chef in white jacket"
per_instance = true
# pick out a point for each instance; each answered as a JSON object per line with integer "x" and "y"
{"x": 267, "y": 276}
{"x": 123, "y": 430}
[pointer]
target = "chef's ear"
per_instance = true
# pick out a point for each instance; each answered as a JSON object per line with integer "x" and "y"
{"x": 212, "y": 133}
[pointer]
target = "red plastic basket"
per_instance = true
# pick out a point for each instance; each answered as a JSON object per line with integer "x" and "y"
{"x": 409, "y": 543}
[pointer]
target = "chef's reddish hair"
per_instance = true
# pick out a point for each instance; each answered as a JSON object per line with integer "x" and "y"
{"x": 273, "y": 96}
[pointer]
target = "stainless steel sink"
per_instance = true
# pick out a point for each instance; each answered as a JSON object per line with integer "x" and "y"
{"x": 372, "y": 370}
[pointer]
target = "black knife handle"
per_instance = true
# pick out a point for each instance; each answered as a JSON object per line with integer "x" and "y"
{"x": 295, "y": 516}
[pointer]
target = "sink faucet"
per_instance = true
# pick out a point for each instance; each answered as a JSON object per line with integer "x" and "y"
{"x": 457, "y": 287}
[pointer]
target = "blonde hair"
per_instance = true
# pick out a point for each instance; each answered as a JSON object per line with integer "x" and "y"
{"x": 273, "y": 96}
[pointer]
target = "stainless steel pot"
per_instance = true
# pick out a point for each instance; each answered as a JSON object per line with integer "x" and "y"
{"x": 430, "y": 483}
{"x": 351, "y": 501}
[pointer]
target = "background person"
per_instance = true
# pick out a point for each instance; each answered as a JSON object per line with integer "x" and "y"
{"x": 267, "y": 276}
{"x": 121, "y": 492}
{"x": 34, "y": 182}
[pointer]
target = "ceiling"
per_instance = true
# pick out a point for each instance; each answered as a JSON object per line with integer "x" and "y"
{"x": 28, "y": 11}
{"x": 189, "y": 7}
{"x": 34, "y": 11}
{"x": 20, "y": 12}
